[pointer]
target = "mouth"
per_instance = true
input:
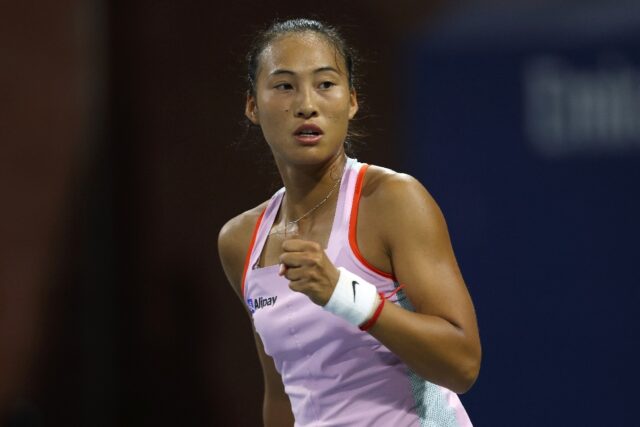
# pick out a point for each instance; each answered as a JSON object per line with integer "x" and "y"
{"x": 308, "y": 134}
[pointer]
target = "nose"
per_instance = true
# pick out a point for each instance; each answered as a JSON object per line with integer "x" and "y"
{"x": 306, "y": 107}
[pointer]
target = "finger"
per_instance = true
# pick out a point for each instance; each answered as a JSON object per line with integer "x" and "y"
{"x": 302, "y": 259}
{"x": 294, "y": 274}
{"x": 297, "y": 286}
{"x": 294, "y": 259}
{"x": 299, "y": 245}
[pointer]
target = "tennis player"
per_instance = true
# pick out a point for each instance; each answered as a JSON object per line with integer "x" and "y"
{"x": 360, "y": 312}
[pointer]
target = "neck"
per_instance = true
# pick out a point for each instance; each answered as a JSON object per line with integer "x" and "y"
{"x": 306, "y": 185}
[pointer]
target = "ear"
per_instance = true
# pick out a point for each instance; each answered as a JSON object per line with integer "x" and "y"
{"x": 251, "y": 109}
{"x": 353, "y": 104}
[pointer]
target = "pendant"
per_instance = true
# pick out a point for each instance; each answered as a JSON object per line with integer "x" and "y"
{"x": 291, "y": 230}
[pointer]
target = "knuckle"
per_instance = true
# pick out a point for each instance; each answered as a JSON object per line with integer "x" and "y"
{"x": 291, "y": 275}
{"x": 311, "y": 257}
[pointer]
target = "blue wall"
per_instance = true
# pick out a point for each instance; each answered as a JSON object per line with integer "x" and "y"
{"x": 529, "y": 139}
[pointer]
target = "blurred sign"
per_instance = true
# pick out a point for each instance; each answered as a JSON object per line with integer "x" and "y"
{"x": 572, "y": 108}
{"x": 529, "y": 139}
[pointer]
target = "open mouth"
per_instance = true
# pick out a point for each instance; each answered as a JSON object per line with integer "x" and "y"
{"x": 308, "y": 129}
{"x": 308, "y": 134}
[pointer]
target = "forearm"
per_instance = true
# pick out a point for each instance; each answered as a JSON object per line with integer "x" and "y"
{"x": 276, "y": 411}
{"x": 431, "y": 346}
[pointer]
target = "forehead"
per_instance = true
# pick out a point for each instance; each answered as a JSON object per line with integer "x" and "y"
{"x": 300, "y": 52}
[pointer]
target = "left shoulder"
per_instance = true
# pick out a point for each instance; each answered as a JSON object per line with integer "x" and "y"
{"x": 398, "y": 217}
{"x": 387, "y": 189}
{"x": 400, "y": 208}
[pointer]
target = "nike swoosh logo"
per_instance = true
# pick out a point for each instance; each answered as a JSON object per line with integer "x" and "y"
{"x": 353, "y": 284}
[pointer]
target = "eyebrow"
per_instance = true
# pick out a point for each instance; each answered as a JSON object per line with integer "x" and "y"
{"x": 318, "y": 70}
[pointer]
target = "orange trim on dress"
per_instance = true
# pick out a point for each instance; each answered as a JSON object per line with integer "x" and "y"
{"x": 353, "y": 223}
{"x": 247, "y": 260}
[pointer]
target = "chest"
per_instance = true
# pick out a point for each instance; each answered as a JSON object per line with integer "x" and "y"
{"x": 319, "y": 229}
{"x": 316, "y": 229}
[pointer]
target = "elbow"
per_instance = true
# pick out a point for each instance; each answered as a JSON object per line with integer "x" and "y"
{"x": 458, "y": 376}
{"x": 466, "y": 379}
{"x": 467, "y": 374}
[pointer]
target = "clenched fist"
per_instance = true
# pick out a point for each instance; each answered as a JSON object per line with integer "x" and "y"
{"x": 309, "y": 270}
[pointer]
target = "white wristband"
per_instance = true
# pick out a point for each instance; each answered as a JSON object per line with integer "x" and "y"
{"x": 353, "y": 298}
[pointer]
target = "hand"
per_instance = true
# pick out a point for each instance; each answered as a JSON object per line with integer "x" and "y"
{"x": 306, "y": 265}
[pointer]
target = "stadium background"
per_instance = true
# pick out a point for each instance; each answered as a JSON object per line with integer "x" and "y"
{"x": 122, "y": 156}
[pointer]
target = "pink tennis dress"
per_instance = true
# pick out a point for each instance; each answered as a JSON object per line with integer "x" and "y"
{"x": 333, "y": 373}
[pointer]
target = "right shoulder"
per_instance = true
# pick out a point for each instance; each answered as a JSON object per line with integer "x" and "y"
{"x": 233, "y": 243}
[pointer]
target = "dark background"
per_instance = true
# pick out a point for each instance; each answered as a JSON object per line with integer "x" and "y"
{"x": 122, "y": 154}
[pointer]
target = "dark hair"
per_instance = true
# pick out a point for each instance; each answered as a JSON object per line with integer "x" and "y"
{"x": 262, "y": 40}
{"x": 281, "y": 28}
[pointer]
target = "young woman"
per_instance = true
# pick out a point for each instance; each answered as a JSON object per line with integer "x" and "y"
{"x": 360, "y": 312}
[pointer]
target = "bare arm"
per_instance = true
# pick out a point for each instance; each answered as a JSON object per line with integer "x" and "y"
{"x": 440, "y": 340}
{"x": 233, "y": 243}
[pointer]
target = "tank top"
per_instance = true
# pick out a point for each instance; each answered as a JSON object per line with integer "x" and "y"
{"x": 334, "y": 373}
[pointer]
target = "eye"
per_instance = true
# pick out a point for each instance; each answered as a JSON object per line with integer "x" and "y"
{"x": 327, "y": 85}
{"x": 283, "y": 86}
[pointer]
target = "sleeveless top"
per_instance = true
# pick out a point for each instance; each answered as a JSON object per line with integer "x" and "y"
{"x": 333, "y": 373}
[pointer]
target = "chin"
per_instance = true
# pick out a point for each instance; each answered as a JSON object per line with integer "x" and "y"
{"x": 314, "y": 155}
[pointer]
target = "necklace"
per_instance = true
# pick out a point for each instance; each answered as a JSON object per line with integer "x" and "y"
{"x": 291, "y": 227}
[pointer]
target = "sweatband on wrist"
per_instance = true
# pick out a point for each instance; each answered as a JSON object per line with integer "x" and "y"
{"x": 353, "y": 299}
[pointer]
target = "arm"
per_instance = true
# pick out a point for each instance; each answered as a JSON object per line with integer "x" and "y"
{"x": 440, "y": 340}
{"x": 233, "y": 243}
{"x": 404, "y": 231}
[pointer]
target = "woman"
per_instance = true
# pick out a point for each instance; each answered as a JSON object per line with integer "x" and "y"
{"x": 316, "y": 263}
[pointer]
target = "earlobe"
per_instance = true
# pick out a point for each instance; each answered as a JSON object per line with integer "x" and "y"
{"x": 253, "y": 116}
{"x": 251, "y": 110}
{"x": 353, "y": 104}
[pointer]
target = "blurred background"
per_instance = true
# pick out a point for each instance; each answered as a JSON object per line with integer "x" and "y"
{"x": 121, "y": 128}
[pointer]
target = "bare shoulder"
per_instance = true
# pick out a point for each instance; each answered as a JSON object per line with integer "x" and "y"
{"x": 233, "y": 242}
{"x": 385, "y": 188}
{"x": 396, "y": 202}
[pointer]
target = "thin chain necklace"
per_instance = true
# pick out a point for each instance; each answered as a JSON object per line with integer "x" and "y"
{"x": 291, "y": 227}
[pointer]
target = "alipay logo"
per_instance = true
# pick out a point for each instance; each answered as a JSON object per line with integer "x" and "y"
{"x": 260, "y": 302}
